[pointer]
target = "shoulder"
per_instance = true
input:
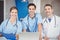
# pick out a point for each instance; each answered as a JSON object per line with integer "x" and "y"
{"x": 44, "y": 18}
{"x": 57, "y": 17}
{"x": 25, "y": 18}
{"x": 19, "y": 22}
{"x": 38, "y": 14}
{"x": 4, "y": 22}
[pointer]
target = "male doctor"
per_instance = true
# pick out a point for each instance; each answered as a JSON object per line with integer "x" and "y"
{"x": 51, "y": 24}
{"x": 32, "y": 22}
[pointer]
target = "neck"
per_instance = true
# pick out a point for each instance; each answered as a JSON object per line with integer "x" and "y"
{"x": 12, "y": 20}
{"x": 31, "y": 15}
{"x": 50, "y": 16}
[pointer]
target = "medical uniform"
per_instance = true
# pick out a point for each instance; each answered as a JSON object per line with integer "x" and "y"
{"x": 31, "y": 24}
{"x": 8, "y": 28}
{"x": 52, "y": 28}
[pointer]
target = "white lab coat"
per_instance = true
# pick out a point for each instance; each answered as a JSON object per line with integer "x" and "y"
{"x": 51, "y": 29}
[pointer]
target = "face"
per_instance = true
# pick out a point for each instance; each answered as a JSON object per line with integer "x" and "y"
{"x": 32, "y": 10}
{"x": 48, "y": 10}
{"x": 13, "y": 13}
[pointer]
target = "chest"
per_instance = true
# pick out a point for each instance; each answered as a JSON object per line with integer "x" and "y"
{"x": 31, "y": 22}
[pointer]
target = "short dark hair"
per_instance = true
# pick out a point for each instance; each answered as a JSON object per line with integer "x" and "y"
{"x": 13, "y": 8}
{"x": 32, "y": 4}
{"x": 48, "y": 5}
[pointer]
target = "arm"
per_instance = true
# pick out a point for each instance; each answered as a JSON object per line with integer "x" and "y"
{"x": 0, "y": 35}
{"x": 17, "y": 36}
{"x": 59, "y": 28}
{"x": 46, "y": 38}
{"x": 59, "y": 37}
{"x": 1, "y": 27}
{"x": 24, "y": 27}
{"x": 40, "y": 30}
{"x": 19, "y": 30}
{"x": 39, "y": 27}
{"x": 0, "y": 31}
{"x": 24, "y": 24}
{"x": 39, "y": 21}
{"x": 24, "y": 30}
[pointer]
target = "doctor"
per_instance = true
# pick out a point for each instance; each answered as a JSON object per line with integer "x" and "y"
{"x": 32, "y": 22}
{"x": 51, "y": 24}
{"x": 11, "y": 28}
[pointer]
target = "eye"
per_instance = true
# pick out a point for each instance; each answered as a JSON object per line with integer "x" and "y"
{"x": 48, "y": 8}
{"x": 12, "y": 12}
{"x": 29, "y": 8}
{"x": 33, "y": 9}
{"x": 45, "y": 9}
{"x": 15, "y": 12}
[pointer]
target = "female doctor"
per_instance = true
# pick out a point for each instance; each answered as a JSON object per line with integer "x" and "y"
{"x": 11, "y": 28}
{"x": 51, "y": 24}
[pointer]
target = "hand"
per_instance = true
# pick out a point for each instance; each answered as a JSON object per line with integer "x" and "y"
{"x": 40, "y": 38}
{"x": 17, "y": 36}
{"x": 59, "y": 37}
{"x": 0, "y": 35}
{"x": 46, "y": 38}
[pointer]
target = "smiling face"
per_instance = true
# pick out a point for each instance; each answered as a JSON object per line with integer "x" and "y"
{"x": 13, "y": 13}
{"x": 48, "y": 10}
{"x": 32, "y": 10}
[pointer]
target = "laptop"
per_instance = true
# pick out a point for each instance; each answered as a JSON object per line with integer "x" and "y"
{"x": 29, "y": 36}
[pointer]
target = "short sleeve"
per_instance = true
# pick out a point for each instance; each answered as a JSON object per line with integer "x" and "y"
{"x": 39, "y": 17}
{"x": 19, "y": 29}
{"x": 3, "y": 24}
{"x": 25, "y": 22}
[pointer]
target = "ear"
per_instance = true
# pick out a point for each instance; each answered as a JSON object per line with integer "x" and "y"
{"x": 52, "y": 10}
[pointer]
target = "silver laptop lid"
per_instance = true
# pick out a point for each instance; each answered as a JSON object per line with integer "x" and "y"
{"x": 29, "y": 36}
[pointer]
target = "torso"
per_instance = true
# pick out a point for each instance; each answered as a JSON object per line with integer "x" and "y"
{"x": 50, "y": 28}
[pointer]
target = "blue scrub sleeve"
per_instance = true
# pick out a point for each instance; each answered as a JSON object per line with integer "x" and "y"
{"x": 3, "y": 24}
{"x": 39, "y": 18}
{"x": 25, "y": 22}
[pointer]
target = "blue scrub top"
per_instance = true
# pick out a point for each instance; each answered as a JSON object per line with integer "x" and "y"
{"x": 11, "y": 28}
{"x": 32, "y": 24}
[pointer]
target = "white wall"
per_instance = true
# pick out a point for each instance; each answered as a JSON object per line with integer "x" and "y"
{"x": 56, "y": 6}
{"x": 30, "y": 1}
{"x": 7, "y": 5}
{"x": 37, "y": 3}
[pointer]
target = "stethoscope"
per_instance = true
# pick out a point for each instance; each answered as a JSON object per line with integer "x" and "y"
{"x": 28, "y": 21}
{"x": 54, "y": 21}
{"x": 13, "y": 25}
{"x": 54, "y": 25}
